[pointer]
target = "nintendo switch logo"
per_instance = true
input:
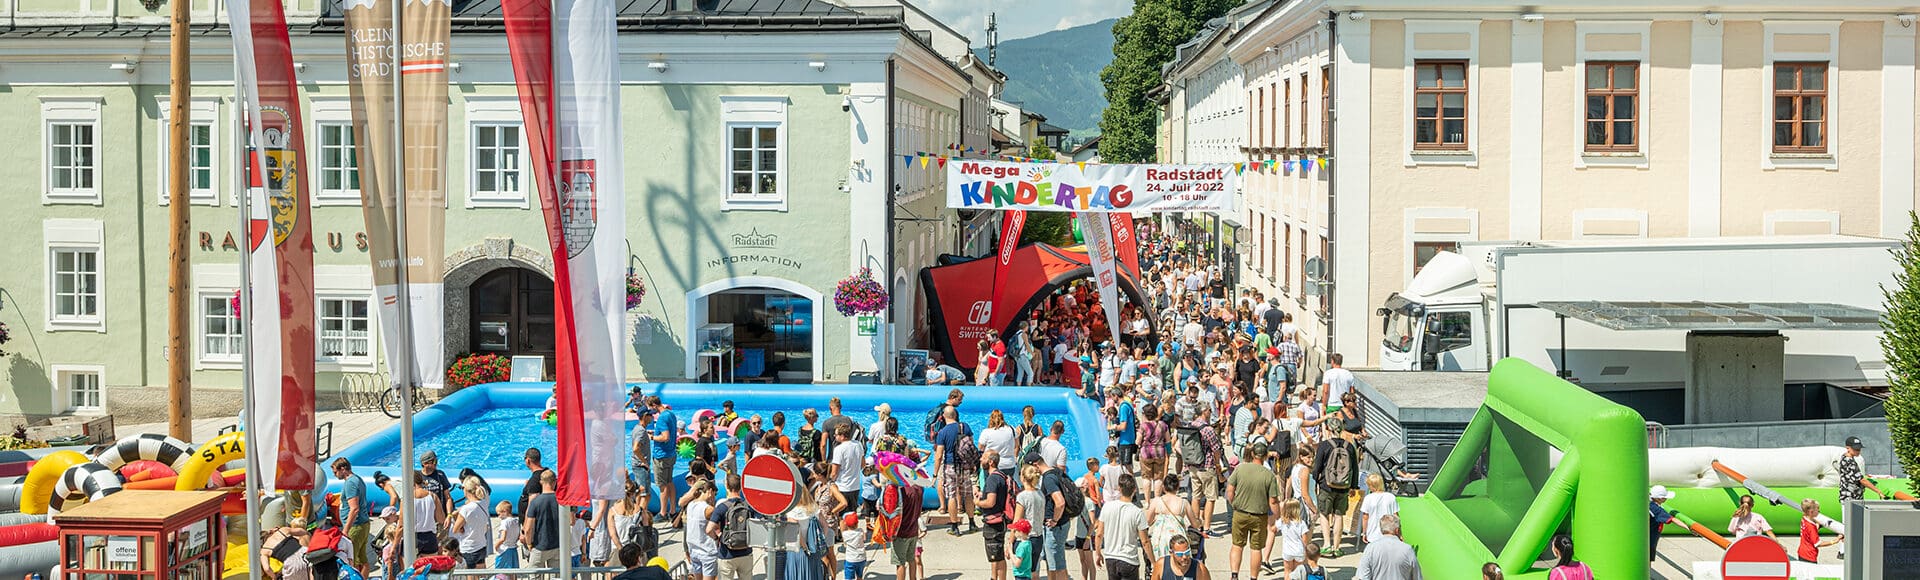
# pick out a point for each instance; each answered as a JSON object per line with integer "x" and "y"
{"x": 980, "y": 312}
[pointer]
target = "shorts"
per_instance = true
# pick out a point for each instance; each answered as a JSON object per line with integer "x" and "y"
{"x": 1127, "y": 452}
{"x": 474, "y": 559}
{"x": 426, "y": 542}
{"x": 1330, "y": 502}
{"x": 902, "y": 552}
{"x": 956, "y": 483}
{"x": 1056, "y": 547}
{"x": 357, "y": 536}
{"x": 1205, "y": 484}
{"x": 1118, "y": 570}
{"x": 996, "y": 539}
{"x": 853, "y": 570}
{"x": 1249, "y": 530}
{"x": 708, "y": 567}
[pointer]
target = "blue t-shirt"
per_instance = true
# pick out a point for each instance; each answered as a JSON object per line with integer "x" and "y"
{"x": 949, "y": 437}
{"x": 1129, "y": 427}
{"x": 665, "y": 422}
{"x": 351, "y": 489}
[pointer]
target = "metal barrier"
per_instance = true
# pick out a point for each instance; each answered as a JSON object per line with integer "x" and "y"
{"x": 679, "y": 571}
{"x": 1656, "y": 435}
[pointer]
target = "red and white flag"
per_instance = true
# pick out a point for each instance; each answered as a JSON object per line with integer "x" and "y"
{"x": 566, "y": 64}
{"x": 280, "y": 242}
{"x": 1010, "y": 226}
{"x": 1125, "y": 243}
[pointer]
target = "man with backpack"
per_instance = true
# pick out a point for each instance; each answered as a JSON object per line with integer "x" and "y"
{"x": 955, "y": 457}
{"x": 996, "y": 509}
{"x": 1065, "y": 502}
{"x": 728, "y": 525}
{"x": 937, "y": 416}
{"x": 1336, "y": 472}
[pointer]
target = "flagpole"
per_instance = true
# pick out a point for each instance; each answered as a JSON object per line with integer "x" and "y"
{"x": 403, "y": 295}
{"x": 252, "y": 484}
{"x": 179, "y": 274}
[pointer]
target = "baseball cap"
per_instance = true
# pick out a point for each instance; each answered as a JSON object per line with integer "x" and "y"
{"x": 389, "y": 511}
{"x": 848, "y": 522}
{"x": 1660, "y": 492}
{"x": 429, "y": 456}
{"x": 1022, "y": 526}
{"x": 1032, "y": 458}
{"x": 1853, "y": 443}
{"x": 883, "y": 408}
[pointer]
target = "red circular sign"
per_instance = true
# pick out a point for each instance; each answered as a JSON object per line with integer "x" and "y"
{"x": 770, "y": 484}
{"x": 1755, "y": 558}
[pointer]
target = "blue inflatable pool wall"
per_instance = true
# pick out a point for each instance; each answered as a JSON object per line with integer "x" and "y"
{"x": 910, "y": 404}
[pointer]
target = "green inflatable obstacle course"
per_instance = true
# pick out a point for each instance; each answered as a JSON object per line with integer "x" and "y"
{"x": 1502, "y": 494}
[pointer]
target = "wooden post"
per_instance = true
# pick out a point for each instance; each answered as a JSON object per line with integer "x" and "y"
{"x": 179, "y": 279}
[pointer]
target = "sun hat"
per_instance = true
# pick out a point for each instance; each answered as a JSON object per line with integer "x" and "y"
{"x": 1660, "y": 492}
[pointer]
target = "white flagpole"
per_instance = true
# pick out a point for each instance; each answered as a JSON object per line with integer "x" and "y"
{"x": 403, "y": 295}
{"x": 243, "y": 191}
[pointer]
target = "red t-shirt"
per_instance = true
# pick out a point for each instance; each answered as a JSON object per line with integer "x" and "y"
{"x": 1809, "y": 540}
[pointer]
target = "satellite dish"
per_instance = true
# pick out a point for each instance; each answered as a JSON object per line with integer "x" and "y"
{"x": 1316, "y": 268}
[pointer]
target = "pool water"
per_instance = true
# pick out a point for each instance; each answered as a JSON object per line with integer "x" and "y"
{"x": 498, "y": 438}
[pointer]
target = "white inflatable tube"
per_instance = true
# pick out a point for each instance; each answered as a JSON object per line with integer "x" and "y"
{"x": 1692, "y": 467}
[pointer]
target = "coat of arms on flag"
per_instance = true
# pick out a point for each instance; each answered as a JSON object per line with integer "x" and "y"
{"x": 577, "y": 204}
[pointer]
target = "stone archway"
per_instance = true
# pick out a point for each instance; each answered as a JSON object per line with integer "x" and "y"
{"x": 468, "y": 264}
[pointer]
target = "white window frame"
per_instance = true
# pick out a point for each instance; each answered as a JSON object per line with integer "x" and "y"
{"x": 1830, "y": 160}
{"x": 74, "y": 110}
{"x": 1470, "y": 156}
{"x": 487, "y": 114}
{"x": 200, "y": 113}
{"x": 1643, "y": 73}
{"x": 1411, "y": 232}
{"x": 330, "y": 111}
{"x": 203, "y": 360}
{"x": 82, "y": 235}
{"x": 755, "y": 112}
{"x": 363, "y": 362}
{"x": 63, "y": 393}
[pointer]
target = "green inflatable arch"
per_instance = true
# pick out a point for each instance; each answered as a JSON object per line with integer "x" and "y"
{"x": 1501, "y": 496}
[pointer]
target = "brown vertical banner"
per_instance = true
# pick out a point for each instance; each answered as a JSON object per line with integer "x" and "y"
{"x": 370, "y": 75}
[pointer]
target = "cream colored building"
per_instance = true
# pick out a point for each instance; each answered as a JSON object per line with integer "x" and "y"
{"x": 1562, "y": 120}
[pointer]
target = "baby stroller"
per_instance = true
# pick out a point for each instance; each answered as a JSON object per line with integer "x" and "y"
{"x": 1383, "y": 455}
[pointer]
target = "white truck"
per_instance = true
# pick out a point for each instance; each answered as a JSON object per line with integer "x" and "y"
{"x": 1464, "y": 310}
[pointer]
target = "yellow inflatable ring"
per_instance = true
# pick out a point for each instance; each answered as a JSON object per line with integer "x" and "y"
{"x": 38, "y": 488}
{"x": 208, "y": 458}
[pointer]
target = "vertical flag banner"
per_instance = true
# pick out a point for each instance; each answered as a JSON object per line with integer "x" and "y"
{"x": 1011, "y": 224}
{"x": 280, "y": 241}
{"x": 1100, "y": 253}
{"x": 1126, "y": 244}
{"x": 565, "y": 63}
{"x": 425, "y": 25}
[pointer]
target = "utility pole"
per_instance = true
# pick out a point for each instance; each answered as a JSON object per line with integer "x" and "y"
{"x": 179, "y": 280}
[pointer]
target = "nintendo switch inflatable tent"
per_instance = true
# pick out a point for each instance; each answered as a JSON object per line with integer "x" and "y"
{"x": 961, "y": 292}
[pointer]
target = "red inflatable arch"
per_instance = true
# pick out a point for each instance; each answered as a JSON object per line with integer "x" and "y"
{"x": 961, "y": 291}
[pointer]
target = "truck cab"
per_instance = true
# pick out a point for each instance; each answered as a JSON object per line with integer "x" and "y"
{"x": 1439, "y": 323}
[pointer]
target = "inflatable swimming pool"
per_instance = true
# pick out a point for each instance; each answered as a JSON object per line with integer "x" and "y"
{"x": 488, "y": 427}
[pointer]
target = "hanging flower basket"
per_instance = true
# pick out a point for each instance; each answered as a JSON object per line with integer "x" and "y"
{"x": 636, "y": 291}
{"x": 860, "y": 294}
{"x": 4, "y": 337}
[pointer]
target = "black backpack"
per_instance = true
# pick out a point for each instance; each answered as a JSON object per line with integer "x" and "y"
{"x": 807, "y": 445}
{"x": 733, "y": 530}
{"x": 1073, "y": 500}
{"x": 647, "y": 538}
{"x": 966, "y": 453}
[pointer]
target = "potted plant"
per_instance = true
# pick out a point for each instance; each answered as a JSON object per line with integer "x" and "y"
{"x": 860, "y": 294}
{"x": 474, "y": 368}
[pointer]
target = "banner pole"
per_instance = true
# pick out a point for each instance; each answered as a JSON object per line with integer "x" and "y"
{"x": 404, "y": 379}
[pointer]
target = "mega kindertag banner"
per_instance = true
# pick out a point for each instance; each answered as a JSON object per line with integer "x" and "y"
{"x": 1074, "y": 187}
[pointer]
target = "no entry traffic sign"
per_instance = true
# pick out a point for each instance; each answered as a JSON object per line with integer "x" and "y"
{"x": 770, "y": 484}
{"x": 1755, "y": 558}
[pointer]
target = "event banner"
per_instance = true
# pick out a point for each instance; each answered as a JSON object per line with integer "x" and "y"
{"x": 280, "y": 246}
{"x": 1100, "y": 254}
{"x": 1011, "y": 225}
{"x": 1081, "y": 187}
{"x": 567, "y": 71}
{"x": 424, "y": 29}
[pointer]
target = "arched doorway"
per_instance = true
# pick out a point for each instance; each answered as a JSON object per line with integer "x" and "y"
{"x": 774, "y": 324}
{"x": 512, "y": 314}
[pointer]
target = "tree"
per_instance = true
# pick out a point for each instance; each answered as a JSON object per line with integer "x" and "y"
{"x": 1041, "y": 152}
{"x": 1900, "y": 342}
{"x": 1142, "y": 43}
{"x": 1047, "y": 227}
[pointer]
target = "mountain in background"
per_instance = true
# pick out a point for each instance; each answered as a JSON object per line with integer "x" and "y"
{"x": 1057, "y": 74}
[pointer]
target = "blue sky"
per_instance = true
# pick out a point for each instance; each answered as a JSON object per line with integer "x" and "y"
{"x": 1021, "y": 18}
